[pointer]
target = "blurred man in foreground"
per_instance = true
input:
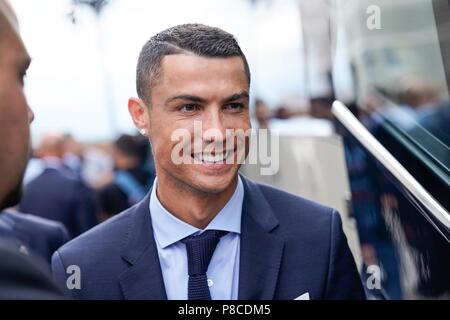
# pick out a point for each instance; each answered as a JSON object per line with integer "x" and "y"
{"x": 21, "y": 275}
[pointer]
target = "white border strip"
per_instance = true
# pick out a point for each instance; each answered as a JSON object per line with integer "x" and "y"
{"x": 355, "y": 127}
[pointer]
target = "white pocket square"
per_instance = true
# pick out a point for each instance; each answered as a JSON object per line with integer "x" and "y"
{"x": 304, "y": 296}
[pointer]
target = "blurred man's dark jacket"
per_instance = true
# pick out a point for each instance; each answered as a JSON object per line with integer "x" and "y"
{"x": 57, "y": 195}
{"x": 24, "y": 276}
{"x": 41, "y": 236}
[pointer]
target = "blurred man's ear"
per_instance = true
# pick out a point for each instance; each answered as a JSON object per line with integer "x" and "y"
{"x": 139, "y": 113}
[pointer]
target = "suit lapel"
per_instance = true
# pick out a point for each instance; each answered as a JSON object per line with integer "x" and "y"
{"x": 261, "y": 250}
{"x": 143, "y": 279}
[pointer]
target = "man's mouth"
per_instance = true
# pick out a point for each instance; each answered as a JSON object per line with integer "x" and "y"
{"x": 213, "y": 157}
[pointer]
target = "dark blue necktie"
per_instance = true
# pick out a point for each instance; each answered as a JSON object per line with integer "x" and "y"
{"x": 200, "y": 250}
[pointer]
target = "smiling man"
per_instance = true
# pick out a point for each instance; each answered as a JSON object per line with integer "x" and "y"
{"x": 203, "y": 231}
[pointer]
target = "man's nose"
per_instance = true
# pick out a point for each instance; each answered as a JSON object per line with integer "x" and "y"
{"x": 213, "y": 126}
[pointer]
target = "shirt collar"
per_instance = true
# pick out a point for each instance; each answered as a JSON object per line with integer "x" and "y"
{"x": 168, "y": 229}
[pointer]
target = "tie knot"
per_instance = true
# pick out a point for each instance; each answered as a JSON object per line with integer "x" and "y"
{"x": 200, "y": 249}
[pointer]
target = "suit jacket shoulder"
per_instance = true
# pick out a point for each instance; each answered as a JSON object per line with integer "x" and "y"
{"x": 43, "y": 236}
{"x": 97, "y": 252}
{"x": 292, "y": 210}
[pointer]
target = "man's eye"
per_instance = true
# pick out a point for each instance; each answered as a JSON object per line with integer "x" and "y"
{"x": 189, "y": 108}
{"x": 234, "y": 106}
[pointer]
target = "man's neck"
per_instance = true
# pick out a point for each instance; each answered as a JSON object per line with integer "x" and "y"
{"x": 192, "y": 206}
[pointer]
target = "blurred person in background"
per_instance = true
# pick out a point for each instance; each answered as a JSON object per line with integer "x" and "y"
{"x": 283, "y": 113}
{"x": 35, "y": 167}
{"x": 377, "y": 245}
{"x": 289, "y": 109}
{"x": 58, "y": 194}
{"x": 262, "y": 114}
{"x": 436, "y": 120}
{"x": 132, "y": 177}
{"x": 22, "y": 275}
{"x": 73, "y": 155}
{"x": 321, "y": 107}
{"x": 415, "y": 99}
{"x": 98, "y": 165}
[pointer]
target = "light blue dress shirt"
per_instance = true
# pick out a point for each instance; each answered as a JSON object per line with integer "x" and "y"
{"x": 223, "y": 270}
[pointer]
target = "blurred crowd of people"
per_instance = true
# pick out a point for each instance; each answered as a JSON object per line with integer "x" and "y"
{"x": 63, "y": 190}
{"x": 392, "y": 234}
{"x": 264, "y": 114}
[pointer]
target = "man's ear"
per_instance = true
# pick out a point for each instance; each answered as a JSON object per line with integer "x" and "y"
{"x": 139, "y": 113}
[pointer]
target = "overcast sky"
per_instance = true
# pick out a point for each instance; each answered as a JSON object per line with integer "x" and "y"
{"x": 66, "y": 83}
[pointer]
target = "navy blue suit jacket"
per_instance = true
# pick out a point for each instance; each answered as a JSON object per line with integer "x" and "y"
{"x": 24, "y": 276}
{"x": 59, "y": 196}
{"x": 289, "y": 246}
{"x": 41, "y": 235}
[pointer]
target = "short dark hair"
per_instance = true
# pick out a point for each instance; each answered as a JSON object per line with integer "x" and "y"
{"x": 191, "y": 38}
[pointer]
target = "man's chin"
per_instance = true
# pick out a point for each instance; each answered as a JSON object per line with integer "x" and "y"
{"x": 12, "y": 198}
{"x": 214, "y": 184}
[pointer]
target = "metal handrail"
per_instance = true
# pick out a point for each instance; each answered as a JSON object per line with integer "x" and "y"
{"x": 352, "y": 124}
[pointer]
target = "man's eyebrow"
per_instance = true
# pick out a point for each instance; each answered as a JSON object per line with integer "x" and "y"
{"x": 236, "y": 96}
{"x": 185, "y": 97}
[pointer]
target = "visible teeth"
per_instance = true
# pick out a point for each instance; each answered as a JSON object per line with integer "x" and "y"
{"x": 210, "y": 158}
{"x": 198, "y": 157}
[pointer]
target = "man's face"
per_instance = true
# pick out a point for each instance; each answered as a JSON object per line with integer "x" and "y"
{"x": 210, "y": 95}
{"x": 15, "y": 115}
